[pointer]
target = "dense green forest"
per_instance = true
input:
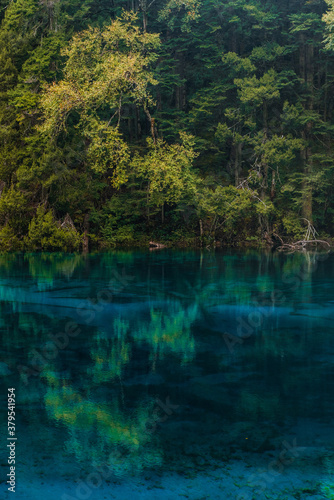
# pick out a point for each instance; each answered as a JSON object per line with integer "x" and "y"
{"x": 190, "y": 122}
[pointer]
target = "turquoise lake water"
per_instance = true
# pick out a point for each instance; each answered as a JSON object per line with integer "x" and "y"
{"x": 168, "y": 374}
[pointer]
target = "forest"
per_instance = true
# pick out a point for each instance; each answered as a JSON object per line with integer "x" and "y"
{"x": 187, "y": 122}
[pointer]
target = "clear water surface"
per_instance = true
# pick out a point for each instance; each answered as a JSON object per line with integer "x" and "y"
{"x": 169, "y": 374}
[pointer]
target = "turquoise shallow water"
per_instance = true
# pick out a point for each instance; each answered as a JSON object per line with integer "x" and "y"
{"x": 169, "y": 374}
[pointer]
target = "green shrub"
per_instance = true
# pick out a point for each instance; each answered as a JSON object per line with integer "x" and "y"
{"x": 9, "y": 241}
{"x": 293, "y": 227}
{"x": 45, "y": 233}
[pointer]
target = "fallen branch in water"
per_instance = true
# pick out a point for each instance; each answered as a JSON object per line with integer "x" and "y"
{"x": 153, "y": 245}
{"x": 302, "y": 244}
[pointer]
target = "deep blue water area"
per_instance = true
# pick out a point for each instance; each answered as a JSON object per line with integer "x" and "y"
{"x": 168, "y": 374}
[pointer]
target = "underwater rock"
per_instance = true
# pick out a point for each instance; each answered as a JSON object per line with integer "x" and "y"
{"x": 149, "y": 379}
{"x": 4, "y": 369}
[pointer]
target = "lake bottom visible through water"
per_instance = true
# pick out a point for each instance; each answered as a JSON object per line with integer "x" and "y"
{"x": 168, "y": 375}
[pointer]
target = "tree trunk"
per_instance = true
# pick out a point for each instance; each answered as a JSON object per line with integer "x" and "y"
{"x": 180, "y": 91}
{"x": 148, "y": 204}
{"x": 265, "y": 119}
{"x": 307, "y": 183}
{"x": 145, "y": 21}
{"x": 152, "y": 123}
{"x": 143, "y": 8}
{"x": 272, "y": 192}
{"x": 302, "y": 56}
{"x": 85, "y": 243}
{"x": 237, "y": 162}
